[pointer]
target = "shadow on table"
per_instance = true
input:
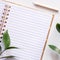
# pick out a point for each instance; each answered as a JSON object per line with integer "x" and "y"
{"x": 55, "y": 56}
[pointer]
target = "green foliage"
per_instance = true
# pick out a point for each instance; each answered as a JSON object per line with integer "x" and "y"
{"x": 7, "y": 57}
{"x": 6, "y": 41}
{"x": 52, "y": 46}
{"x": 58, "y": 27}
{"x": 0, "y": 48}
{"x": 11, "y": 48}
{"x": 55, "y": 48}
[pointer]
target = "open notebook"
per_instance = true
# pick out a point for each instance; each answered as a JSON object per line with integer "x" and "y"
{"x": 28, "y": 29}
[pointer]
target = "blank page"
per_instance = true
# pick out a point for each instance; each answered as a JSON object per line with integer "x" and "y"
{"x": 28, "y": 30}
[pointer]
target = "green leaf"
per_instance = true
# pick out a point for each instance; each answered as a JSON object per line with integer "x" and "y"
{"x": 7, "y": 57}
{"x": 11, "y": 48}
{"x": 58, "y": 27}
{"x": 0, "y": 48}
{"x": 6, "y": 39}
{"x": 55, "y": 48}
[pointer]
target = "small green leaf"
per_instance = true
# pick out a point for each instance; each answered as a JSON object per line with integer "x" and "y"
{"x": 11, "y": 48}
{"x": 55, "y": 48}
{"x": 0, "y": 48}
{"x": 58, "y": 27}
{"x": 52, "y": 47}
{"x": 6, "y": 39}
{"x": 7, "y": 57}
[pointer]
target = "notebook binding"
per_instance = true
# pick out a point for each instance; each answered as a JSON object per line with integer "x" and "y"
{"x": 4, "y": 18}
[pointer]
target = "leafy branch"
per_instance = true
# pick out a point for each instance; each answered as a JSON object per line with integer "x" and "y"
{"x": 53, "y": 47}
{"x": 6, "y": 41}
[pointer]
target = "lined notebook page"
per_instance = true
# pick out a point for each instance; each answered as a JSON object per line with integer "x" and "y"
{"x": 28, "y": 30}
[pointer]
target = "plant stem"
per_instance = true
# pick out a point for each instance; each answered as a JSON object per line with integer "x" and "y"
{"x": 2, "y": 52}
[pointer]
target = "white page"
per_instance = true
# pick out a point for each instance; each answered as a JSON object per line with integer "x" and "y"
{"x": 28, "y": 30}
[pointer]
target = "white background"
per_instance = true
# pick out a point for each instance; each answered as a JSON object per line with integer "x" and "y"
{"x": 29, "y": 3}
{"x": 54, "y": 37}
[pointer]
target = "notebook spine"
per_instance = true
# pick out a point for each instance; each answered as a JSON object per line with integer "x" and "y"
{"x": 3, "y": 20}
